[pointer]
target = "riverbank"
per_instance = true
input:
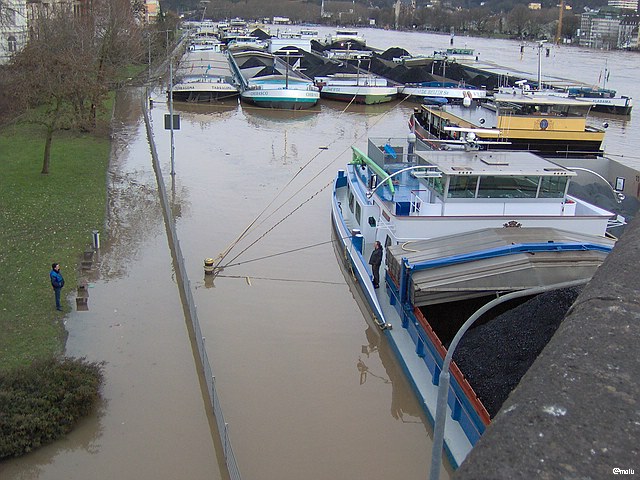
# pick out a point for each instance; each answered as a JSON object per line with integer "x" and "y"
{"x": 45, "y": 219}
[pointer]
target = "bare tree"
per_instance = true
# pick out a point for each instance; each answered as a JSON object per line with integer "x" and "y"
{"x": 65, "y": 71}
{"x": 52, "y": 76}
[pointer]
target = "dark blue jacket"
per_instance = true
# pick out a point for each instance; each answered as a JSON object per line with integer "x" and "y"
{"x": 376, "y": 257}
{"x": 56, "y": 279}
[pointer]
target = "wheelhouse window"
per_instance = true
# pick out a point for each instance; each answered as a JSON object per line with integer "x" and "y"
{"x": 508, "y": 187}
{"x": 553, "y": 187}
{"x": 358, "y": 213}
{"x": 436, "y": 184}
{"x": 351, "y": 200}
{"x": 462, "y": 187}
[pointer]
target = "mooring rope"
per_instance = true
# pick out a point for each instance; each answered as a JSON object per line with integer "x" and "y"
{"x": 254, "y": 223}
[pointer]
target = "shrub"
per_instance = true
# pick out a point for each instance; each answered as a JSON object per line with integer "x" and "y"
{"x": 43, "y": 402}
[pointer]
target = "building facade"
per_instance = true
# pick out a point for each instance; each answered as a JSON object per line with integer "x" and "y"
{"x": 609, "y": 29}
{"x": 13, "y": 28}
{"x": 624, "y": 4}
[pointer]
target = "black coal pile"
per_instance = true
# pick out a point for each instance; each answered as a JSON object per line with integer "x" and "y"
{"x": 400, "y": 73}
{"x": 494, "y": 356}
{"x": 602, "y": 196}
{"x": 393, "y": 52}
{"x": 329, "y": 68}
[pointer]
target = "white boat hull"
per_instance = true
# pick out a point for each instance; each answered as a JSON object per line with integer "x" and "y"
{"x": 363, "y": 94}
{"x": 288, "y": 99}
{"x": 448, "y": 93}
{"x": 204, "y": 91}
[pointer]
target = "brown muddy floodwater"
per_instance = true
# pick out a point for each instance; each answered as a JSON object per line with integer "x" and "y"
{"x": 308, "y": 388}
{"x": 306, "y": 385}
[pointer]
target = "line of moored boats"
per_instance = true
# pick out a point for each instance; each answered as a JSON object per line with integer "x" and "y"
{"x": 293, "y": 70}
{"x": 482, "y": 197}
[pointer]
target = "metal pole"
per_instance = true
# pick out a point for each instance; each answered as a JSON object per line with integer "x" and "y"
{"x": 173, "y": 170}
{"x": 540, "y": 66}
{"x": 443, "y": 383}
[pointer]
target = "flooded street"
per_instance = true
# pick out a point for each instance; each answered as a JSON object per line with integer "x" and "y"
{"x": 152, "y": 423}
{"x": 306, "y": 384}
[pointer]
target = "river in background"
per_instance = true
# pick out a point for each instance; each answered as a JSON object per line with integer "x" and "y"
{"x": 305, "y": 382}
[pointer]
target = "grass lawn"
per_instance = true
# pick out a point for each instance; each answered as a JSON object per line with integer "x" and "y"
{"x": 44, "y": 219}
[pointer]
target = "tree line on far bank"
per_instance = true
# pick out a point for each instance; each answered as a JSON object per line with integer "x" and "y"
{"x": 504, "y": 18}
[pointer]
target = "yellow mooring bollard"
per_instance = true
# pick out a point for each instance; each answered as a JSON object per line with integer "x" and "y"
{"x": 208, "y": 266}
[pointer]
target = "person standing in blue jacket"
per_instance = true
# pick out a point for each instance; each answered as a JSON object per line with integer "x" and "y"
{"x": 57, "y": 282}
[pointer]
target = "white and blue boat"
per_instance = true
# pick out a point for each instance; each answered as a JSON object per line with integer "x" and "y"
{"x": 434, "y": 92}
{"x": 269, "y": 81}
{"x": 457, "y": 226}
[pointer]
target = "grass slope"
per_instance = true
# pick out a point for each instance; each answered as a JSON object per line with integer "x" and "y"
{"x": 44, "y": 219}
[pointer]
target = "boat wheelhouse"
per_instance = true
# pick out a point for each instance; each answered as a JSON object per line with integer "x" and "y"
{"x": 457, "y": 226}
{"x": 518, "y": 120}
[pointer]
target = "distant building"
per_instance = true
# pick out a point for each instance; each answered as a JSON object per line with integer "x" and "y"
{"x": 600, "y": 29}
{"x": 151, "y": 10}
{"x": 624, "y": 4}
{"x": 534, "y": 6}
{"x": 628, "y": 32}
{"x": 281, "y": 21}
{"x": 13, "y": 31}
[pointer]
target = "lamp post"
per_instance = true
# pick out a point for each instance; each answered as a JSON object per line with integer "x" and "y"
{"x": 443, "y": 379}
{"x": 542, "y": 42}
{"x": 173, "y": 170}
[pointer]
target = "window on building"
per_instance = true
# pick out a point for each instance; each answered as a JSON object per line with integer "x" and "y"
{"x": 13, "y": 44}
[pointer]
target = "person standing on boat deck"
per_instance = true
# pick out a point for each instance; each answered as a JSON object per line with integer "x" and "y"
{"x": 57, "y": 282}
{"x": 375, "y": 260}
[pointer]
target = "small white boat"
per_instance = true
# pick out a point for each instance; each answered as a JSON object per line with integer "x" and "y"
{"x": 456, "y": 226}
{"x": 452, "y": 92}
{"x": 345, "y": 36}
{"x": 364, "y": 89}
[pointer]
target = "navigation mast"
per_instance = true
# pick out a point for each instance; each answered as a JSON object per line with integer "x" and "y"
{"x": 559, "y": 31}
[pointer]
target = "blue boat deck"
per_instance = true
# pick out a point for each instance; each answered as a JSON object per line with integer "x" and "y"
{"x": 457, "y": 443}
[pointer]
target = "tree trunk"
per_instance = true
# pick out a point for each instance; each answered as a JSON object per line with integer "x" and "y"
{"x": 47, "y": 151}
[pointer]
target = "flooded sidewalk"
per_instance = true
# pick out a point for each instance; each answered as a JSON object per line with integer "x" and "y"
{"x": 151, "y": 423}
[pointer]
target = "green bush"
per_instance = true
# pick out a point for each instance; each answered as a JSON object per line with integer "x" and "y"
{"x": 43, "y": 401}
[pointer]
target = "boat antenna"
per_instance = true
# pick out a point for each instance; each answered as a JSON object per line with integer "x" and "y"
{"x": 540, "y": 44}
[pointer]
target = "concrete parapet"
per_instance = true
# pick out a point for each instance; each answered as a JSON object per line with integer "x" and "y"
{"x": 576, "y": 412}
